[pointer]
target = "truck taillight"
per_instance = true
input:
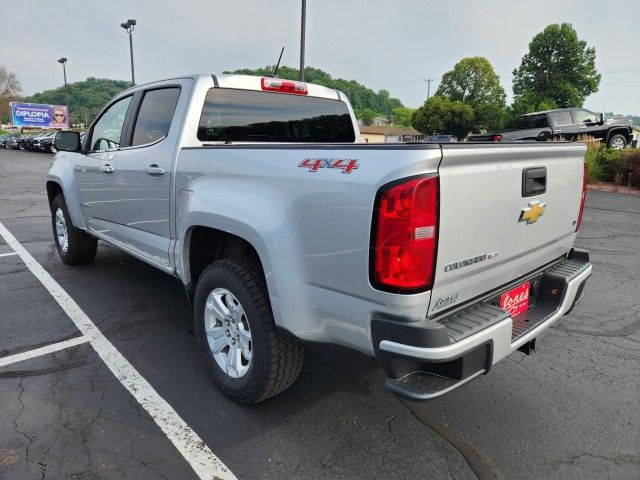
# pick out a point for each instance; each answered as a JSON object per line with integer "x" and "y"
{"x": 405, "y": 235}
{"x": 284, "y": 86}
{"x": 584, "y": 196}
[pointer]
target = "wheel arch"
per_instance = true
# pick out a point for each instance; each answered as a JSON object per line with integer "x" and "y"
{"x": 204, "y": 244}
{"x": 56, "y": 185}
{"x": 54, "y": 188}
{"x": 619, "y": 130}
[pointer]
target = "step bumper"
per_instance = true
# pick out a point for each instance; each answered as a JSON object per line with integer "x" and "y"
{"x": 423, "y": 372}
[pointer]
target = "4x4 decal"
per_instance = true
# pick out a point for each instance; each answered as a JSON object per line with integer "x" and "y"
{"x": 347, "y": 165}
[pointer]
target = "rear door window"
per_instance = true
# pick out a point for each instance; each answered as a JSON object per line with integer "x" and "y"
{"x": 155, "y": 115}
{"x": 562, "y": 119}
{"x": 232, "y": 115}
{"x": 534, "y": 121}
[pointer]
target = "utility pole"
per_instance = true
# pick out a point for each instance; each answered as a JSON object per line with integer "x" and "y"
{"x": 63, "y": 61}
{"x": 302, "y": 31}
{"x": 128, "y": 26}
{"x": 428, "y": 82}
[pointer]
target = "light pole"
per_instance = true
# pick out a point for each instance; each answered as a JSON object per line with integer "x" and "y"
{"x": 63, "y": 61}
{"x": 129, "y": 25}
{"x": 302, "y": 29}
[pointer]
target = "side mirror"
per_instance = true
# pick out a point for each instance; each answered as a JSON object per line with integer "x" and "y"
{"x": 67, "y": 141}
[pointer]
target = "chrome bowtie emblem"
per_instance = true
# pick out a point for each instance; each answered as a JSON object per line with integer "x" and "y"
{"x": 531, "y": 213}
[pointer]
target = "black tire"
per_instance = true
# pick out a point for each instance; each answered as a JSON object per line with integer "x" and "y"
{"x": 81, "y": 247}
{"x": 276, "y": 359}
{"x": 617, "y": 138}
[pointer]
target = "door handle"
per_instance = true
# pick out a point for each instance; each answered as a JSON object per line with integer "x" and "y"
{"x": 534, "y": 181}
{"x": 154, "y": 170}
{"x": 106, "y": 168}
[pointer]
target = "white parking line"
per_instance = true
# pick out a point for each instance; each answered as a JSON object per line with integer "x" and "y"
{"x": 47, "y": 349}
{"x": 201, "y": 459}
{"x": 7, "y": 254}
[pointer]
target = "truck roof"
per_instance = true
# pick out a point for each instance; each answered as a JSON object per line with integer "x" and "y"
{"x": 545, "y": 111}
{"x": 249, "y": 82}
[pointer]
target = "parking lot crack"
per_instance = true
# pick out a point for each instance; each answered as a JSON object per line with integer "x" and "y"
{"x": 29, "y": 438}
{"x": 479, "y": 464}
{"x": 391, "y": 432}
{"x": 20, "y": 411}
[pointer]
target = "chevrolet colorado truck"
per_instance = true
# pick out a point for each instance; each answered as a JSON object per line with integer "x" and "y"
{"x": 565, "y": 123}
{"x": 438, "y": 259}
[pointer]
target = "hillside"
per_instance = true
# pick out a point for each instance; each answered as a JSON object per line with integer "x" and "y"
{"x": 361, "y": 97}
{"x": 86, "y": 99}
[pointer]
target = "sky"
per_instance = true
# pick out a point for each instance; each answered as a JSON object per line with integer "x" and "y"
{"x": 393, "y": 45}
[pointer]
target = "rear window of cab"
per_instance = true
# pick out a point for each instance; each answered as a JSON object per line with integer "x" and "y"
{"x": 231, "y": 115}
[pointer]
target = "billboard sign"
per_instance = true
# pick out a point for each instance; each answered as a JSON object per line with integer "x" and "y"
{"x": 39, "y": 115}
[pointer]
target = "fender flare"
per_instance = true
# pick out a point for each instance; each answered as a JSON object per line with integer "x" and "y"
{"x": 70, "y": 198}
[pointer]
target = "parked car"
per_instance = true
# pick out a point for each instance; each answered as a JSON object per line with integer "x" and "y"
{"x": 256, "y": 194}
{"x": 442, "y": 138}
{"x": 17, "y": 142}
{"x": 24, "y": 142}
{"x": 565, "y": 123}
{"x": 33, "y": 143}
{"x": 6, "y": 138}
{"x": 44, "y": 143}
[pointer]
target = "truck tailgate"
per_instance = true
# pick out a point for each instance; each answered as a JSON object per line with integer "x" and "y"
{"x": 483, "y": 240}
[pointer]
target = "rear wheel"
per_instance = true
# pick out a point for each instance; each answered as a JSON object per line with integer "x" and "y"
{"x": 249, "y": 359}
{"x": 74, "y": 246}
{"x": 617, "y": 141}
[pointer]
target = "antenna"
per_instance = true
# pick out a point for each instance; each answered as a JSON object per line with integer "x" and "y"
{"x": 275, "y": 72}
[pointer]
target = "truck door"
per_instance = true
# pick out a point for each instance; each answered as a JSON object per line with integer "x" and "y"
{"x": 588, "y": 123}
{"x": 145, "y": 172}
{"x": 563, "y": 124}
{"x": 95, "y": 173}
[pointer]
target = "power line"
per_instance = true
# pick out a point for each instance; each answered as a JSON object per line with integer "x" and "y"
{"x": 428, "y": 82}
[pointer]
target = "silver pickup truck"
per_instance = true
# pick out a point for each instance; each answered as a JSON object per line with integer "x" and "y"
{"x": 438, "y": 259}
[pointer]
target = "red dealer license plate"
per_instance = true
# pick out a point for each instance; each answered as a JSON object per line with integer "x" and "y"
{"x": 516, "y": 300}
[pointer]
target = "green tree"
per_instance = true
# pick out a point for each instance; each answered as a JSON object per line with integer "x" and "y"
{"x": 10, "y": 91}
{"x": 402, "y": 116}
{"x": 367, "y": 116}
{"x": 441, "y": 115}
{"x": 360, "y": 96}
{"x": 558, "y": 69}
{"x": 86, "y": 99}
{"x": 474, "y": 82}
{"x": 527, "y": 103}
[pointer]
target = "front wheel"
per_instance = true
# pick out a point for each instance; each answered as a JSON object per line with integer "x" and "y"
{"x": 249, "y": 359}
{"x": 74, "y": 246}
{"x": 617, "y": 141}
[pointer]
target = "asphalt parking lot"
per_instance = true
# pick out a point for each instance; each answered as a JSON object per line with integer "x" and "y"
{"x": 569, "y": 411}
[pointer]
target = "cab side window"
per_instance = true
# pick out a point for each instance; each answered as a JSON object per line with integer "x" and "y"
{"x": 155, "y": 115}
{"x": 585, "y": 116}
{"x": 107, "y": 130}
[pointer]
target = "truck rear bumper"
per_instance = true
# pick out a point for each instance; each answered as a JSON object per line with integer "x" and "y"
{"x": 481, "y": 334}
